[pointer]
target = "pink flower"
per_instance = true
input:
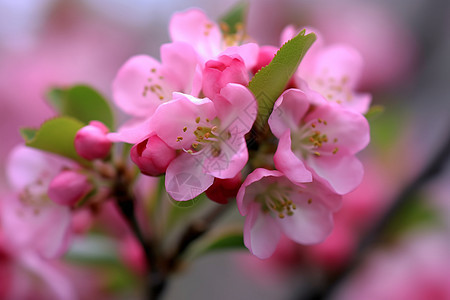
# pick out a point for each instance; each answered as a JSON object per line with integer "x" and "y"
{"x": 274, "y": 205}
{"x": 218, "y": 73}
{"x": 194, "y": 27}
{"x": 91, "y": 141}
{"x": 143, "y": 83}
{"x": 33, "y": 221}
{"x": 69, "y": 187}
{"x": 323, "y": 139}
{"x": 211, "y": 134}
{"x": 331, "y": 74}
{"x": 152, "y": 156}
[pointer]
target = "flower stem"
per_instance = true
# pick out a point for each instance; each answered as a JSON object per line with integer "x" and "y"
{"x": 126, "y": 203}
{"x": 159, "y": 266}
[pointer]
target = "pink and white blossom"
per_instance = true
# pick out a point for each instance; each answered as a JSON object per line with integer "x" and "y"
{"x": 194, "y": 27}
{"x": 331, "y": 73}
{"x": 274, "y": 205}
{"x": 32, "y": 219}
{"x": 321, "y": 139}
{"x": 143, "y": 83}
{"x": 210, "y": 135}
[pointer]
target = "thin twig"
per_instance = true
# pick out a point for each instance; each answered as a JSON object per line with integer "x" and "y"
{"x": 126, "y": 203}
{"x": 192, "y": 232}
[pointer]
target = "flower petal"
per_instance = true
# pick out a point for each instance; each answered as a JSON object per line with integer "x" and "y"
{"x": 350, "y": 128}
{"x": 247, "y": 192}
{"x": 288, "y": 163}
{"x": 344, "y": 172}
{"x": 248, "y": 53}
{"x": 311, "y": 222}
{"x": 172, "y": 117}
{"x": 180, "y": 62}
{"x": 236, "y": 108}
{"x": 138, "y": 88}
{"x": 231, "y": 160}
{"x": 185, "y": 178}
{"x": 288, "y": 111}
{"x": 261, "y": 233}
{"x": 132, "y": 131}
{"x": 194, "y": 27}
{"x": 27, "y": 165}
{"x": 44, "y": 228}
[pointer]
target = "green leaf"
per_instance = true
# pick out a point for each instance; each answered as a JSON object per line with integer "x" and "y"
{"x": 235, "y": 17}
{"x": 179, "y": 210}
{"x": 416, "y": 213}
{"x": 224, "y": 238}
{"x": 28, "y": 133}
{"x": 82, "y": 103}
{"x": 56, "y": 136}
{"x": 374, "y": 112}
{"x": 268, "y": 84}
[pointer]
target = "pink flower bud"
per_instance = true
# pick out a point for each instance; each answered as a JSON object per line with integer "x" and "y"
{"x": 68, "y": 187}
{"x": 223, "y": 189}
{"x": 265, "y": 56}
{"x": 152, "y": 156}
{"x": 218, "y": 73}
{"x": 91, "y": 141}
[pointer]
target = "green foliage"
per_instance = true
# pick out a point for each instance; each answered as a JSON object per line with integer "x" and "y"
{"x": 28, "y": 133}
{"x": 180, "y": 210}
{"x": 414, "y": 214}
{"x": 388, "y": 128}
{"x": 82, "y": 103}
{"x": 235, "y": 17}
{"x": 56, "y": 136}
{"x": 225, "y": 238}
{"x": 374, "y": 112}
{"x": 268, "y": 84}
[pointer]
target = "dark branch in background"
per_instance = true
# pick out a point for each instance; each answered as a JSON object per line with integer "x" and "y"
{"x": 195, "y": 230}
{"x": 435, "y": 166}
{"x": 159, "y": 265}
{"x": 126, "y": 203}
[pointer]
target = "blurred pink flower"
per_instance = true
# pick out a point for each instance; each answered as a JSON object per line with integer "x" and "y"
{"x": 194, "y": 27}
{"x": 30, "y": 219}
{"x": 143, "y": 83}
{"x": 416, "y": 269}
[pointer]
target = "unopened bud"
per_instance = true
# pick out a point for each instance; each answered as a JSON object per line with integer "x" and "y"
{"x": 152, "y": 156}
{"x": 223, "y": 189}
{"x": 68, "y": 187}
{"x": 265, "y": 56}
{"x": 218, "y": 73}
{"x": 91, "y": 141}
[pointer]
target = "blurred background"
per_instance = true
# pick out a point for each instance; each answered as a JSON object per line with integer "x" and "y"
{"x": 405, "y": 45}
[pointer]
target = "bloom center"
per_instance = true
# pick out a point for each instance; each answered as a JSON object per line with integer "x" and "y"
{"x": 207, "y": 136}
{"x": 276, "y": 200}
{"x": 312, "y": 139}
{"x": 333, "y": 89}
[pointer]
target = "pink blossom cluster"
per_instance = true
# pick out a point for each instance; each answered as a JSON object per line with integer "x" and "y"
{"x": 192, "y": 119}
